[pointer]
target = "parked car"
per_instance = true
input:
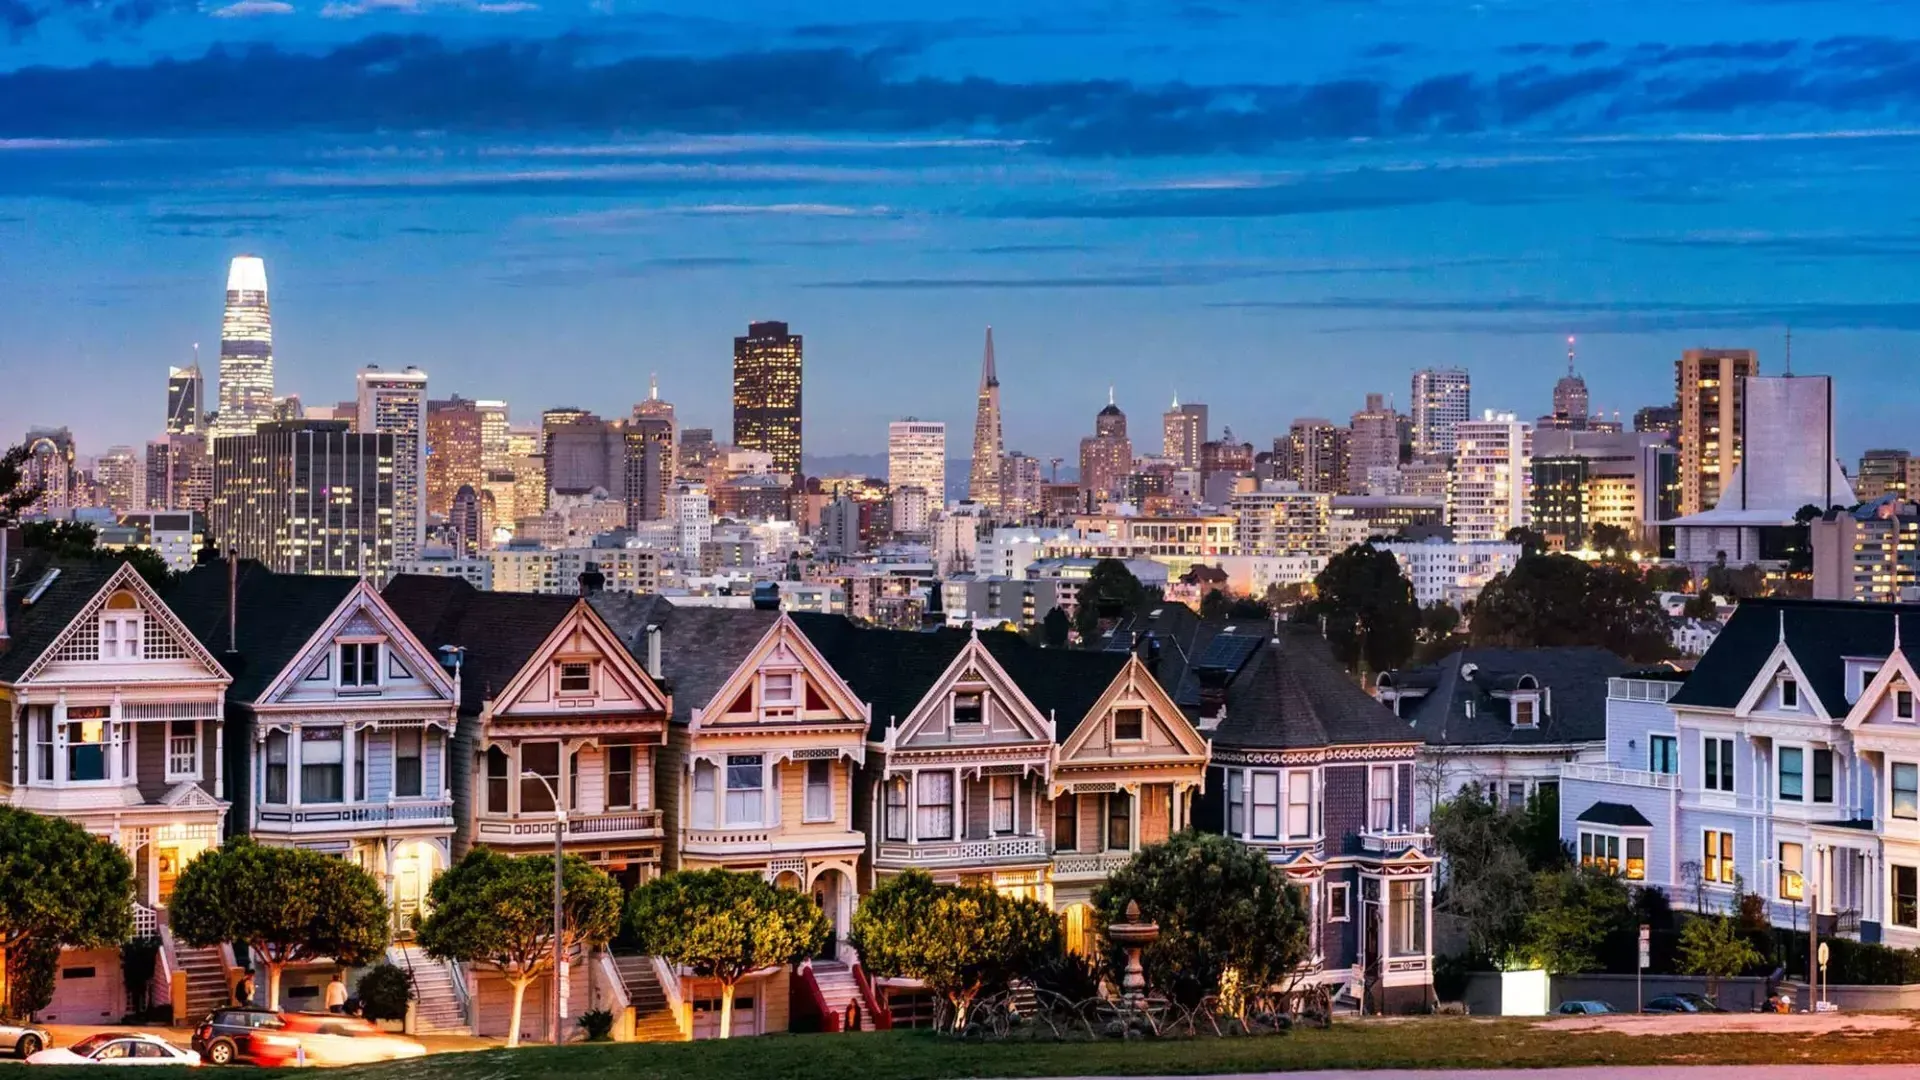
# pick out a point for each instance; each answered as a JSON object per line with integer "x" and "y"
{"x": 1585, "y": 1008}
{"x": 331, "y": 1039}
{"x": 245, "y": 1036}
{"x": 1681, "y": 1003}
{"x": 25, "y": 1039}
{"x": 117, "y": 1049}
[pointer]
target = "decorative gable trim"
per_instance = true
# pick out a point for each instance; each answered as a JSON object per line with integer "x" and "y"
{"x": 784, "y": 636}
{"x": 973, "y": 664}
{"x": 363, "y": 604}
{"x": 1136, "y": 683}
{"x": 620, "y": 663}
{"x": 1781, "y": 658}
{"x": 151, "y": 606}
{"x": 1896, "y": 666}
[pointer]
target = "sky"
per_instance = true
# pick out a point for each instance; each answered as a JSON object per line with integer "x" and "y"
{"x": 1273, "y": 207}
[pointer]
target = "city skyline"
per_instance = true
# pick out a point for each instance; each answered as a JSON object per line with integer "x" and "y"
{"x": 1523, "y": 173}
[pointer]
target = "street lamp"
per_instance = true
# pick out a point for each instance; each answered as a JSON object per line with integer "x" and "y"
{"x": 559, "y": 903}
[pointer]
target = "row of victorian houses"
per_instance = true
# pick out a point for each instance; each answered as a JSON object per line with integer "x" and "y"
{"x": 398, "y": 727}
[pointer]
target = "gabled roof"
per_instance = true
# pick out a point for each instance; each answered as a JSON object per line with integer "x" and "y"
{"x": 891, "y": 670}
{"x": 700, "y": 647}
{"x": 1288, "y": 692}
{"x": 276, "y": 615}
{"x": 499, "y": 630}
{"x": 32, "y": 628}
{"x": 1820, "y": 634}
{"x": 1063, "y": 684}
{"x": 1576, "y": 676}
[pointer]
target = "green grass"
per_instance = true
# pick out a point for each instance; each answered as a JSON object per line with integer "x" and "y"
{"x": 1441, "y": 1042}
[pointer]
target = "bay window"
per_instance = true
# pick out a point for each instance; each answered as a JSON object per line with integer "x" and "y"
{"x": 706, "y": 785}
{"x": 1636, "y": 858}
{"x": 746, "y": 789}
{"x": 933, "y": 806}
{"x": 1299, "y": 805}
{"x": 1119, "y": 821}
{"x": 407, "y": 757}
{"x": 896, "y": 815}
{"x": 499, "y": 780}
{"x": 1000, "y": 791}
{"x": 89, "y": 740}
{"x": 183, "y": 750}
{"x": 542, "y": 759}
{"x": 1407, "y": 903}
{"x": 41, "y": 723}
{"x": 322, "y": 764}
{"x": 274, "y": 789}
{"x": 1236, "y": 802}
{"x": 1266, "y": 805}
{"x": 819, "y": 805}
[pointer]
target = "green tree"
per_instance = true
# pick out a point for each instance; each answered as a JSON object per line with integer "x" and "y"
{"x": 1056, "y": 627}
{"x": 960, "y": 940}
{"x": 1558, "y": 600}
{"x": 1531, "y": 542}
{"x": 496, "y": 909}
{"x": 1612, "y": 542}
{"x": 1110, "y": 587}
{"x": 1701, "y": 607}
{"x": 1438, "y": 620}
{"x": 1537, "y": 831}
{"x": 1714, "y": 946}
{"x": 59, "y": 885}
{"x": 1367, "y": 607}
{"x": 724, "y": 925}
{"x": 1669, "y": 577}
{"x": 1214, "y": 605}
{"x": 78, "y": 540}
{"x": 1286, "y": 597}
{"x": 290, "y": 904}
{"x": 15, "y": 493}
{"x": 1221, "y": 907}
{"x": 1487, "y": 881}
{"x": 1572, "y": 913}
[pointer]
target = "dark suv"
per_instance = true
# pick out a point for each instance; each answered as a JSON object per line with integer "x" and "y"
{"x": 248, "y": 1036}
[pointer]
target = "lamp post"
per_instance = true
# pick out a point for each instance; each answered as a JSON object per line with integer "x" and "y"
{"x": 559, "y": 904}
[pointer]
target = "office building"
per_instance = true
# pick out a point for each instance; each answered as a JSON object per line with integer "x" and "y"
{"x": 1452, "y": 571}
{"x": 1183, "y": 432}
{"x": 246, "y": 350}
{"x": 1488, "y": 492}
{"x": 395, "y": 403}
{"x": 766, "y": 393}
{"x": 646, "y": 467}
{"x": 1883, "y": 472}
{"x": 1868, "y": 553}
{"x": 176, "y": 537}
{"x": 51, "y": 467}
{"x": 496, "y": 437}
{"x": 122, "y": 479}
{"x": 1709, "y": 391}
{"x": 1559, "y": 512}
{"x": 1665, "y": 418}
{"x": 983, "y": 478}
{"x": 456, "y": 451}
{"x": 179, "y": 473}
{"x": 1570, "y": 401}
{"x": 1281, "y": 519}
{"x": 1442, "y": 399}
{"x": 917, "y": 457}
{"x": 1626, "y": 480}
{"x": 306, "y": 497}
{"x": 1021, "y": 486}
{"x": 1373, "y": 446}
{"x": 1314, "y": 454}
{"x": 185, "y": 390}
{"x": 1106, "y": 457}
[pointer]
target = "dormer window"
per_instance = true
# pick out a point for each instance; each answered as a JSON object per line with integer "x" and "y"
{"x": 1789, "y": 694}
{"x": 576, "y": 677}
{"x": 1129, "y": 724}
{"x": 121, "y": 626}
{"x": 360, "y": 664}
{"x": 969, "y": 710}
{"x": 780, "y": 688}
{"x": 1526, "y": 710}
{"x": 1903, "y": 703}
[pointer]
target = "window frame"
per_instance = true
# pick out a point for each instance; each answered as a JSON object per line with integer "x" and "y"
{"x": 1895, "y": 871}
{"x": 1717, "y": 848}
{"x": 935, "y": 811}
{"x": 1273, "y": 806}
{"x": 792, "y": 683}
{"x": 615, "y": 770}
{"x": 1716, "y": 763}
{"x": 418, "y": 758}
{"x": 1798, "y": 891}
{"x": 1299, "y": 801}
{"x": 741, "y": 797}
{"x": 1790, "y": 693}
{"x": 1902, "y": 703}
{"x": 975, "y": 714}
{"x": 1781, "y": 774}
{"x": 271, "y": 770}
{"x": 524, "y": 785}
{"x": 1342, "y": 911}
{"x": 1138, "y": 724}
{"x": 563, "y": 673}
{"x": 997, "y": 801}
{"x": 1117, "y": 815}
{"x": 821, "y": 786}
{"x": 315, "y": 736}
{"x": 1236, "y": 802}
{"x": 1667, "y": 747}
{"x": 366, "y": 670}
{"x": 1912, "y": 769}
{"x": 1066, "y": 822}
{"x": 895, "y": 820}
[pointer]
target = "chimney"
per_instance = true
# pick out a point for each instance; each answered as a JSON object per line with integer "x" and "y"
{"x": 1151, "y": 655}
{"x": 233, "y": 601}
{"x": 592, "y": 580}
{"x": 653, "y": 651}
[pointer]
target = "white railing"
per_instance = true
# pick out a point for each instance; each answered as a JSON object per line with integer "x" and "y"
{"x": 757, "y": 837}
{"x": 146, "y": 922}
{"x": 1659, "y": 691}
{"x": 526, "y": 826}
{"x": 1614, "y": 774}
{"x": 1003, "y": 847}
{"x": 1100, "y": 864}
{"x": 1387, "y": 841}
{"x": 630, "y": 822}
{"x": 183, "y": 755}
{"x": 326, "y": 817}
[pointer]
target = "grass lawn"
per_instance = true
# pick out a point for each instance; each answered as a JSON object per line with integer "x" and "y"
{"x": 1440, "y": 1042}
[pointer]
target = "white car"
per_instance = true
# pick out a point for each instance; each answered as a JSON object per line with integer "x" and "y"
{"x": 327, "y": 1039}
{"x": 129, "y": 1049}
{"x": 24, "y": 1040}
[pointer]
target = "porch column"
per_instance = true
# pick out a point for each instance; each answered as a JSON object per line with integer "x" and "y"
{"x": 350, "y": 764}
{"x": 1134, "y": 809}
{"x": 152, "y": 898}
{"x": 294, "y": 754}
{"x": 913, "y": 806}
{"x": 219, "y": 755}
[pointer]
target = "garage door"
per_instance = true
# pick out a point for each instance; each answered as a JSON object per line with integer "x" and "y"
{"x": 706, "y": 1017}
{"x": 86, "y": 990}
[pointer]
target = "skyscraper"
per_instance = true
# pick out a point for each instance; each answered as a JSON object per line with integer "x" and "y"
{"x": 1570, "y": 406}
{"x": 983, "y": 479}
{"x": 184, "y": 389}
{"x": 1314, "y": 453}
{"x": 1442, "y": 398}
{"x": 1710, "y": 392}
{"x": 654, "y": 408}
{"x": 395, "y": 403}
{"x": 456, "y": 451}
{"x": 1490, "y": 489}
{"x": 1107, "y": 457}
{"x": 647, "y": 467}
{"x": 496, "y": 444}
{"x": 246, "y": 350}
{"x": 917, "y": 457}
{"x": 1373, "y": 446}
{"x": 122, "y": 479}
{"x": 766, "y": 393}
{"x": 1183, "y": 431}
{"x": 1021, "y": 485}
{"x": 306, "y": 497}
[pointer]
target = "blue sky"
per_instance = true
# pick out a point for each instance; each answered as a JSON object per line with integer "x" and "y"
{"x": 1272, "y": 207}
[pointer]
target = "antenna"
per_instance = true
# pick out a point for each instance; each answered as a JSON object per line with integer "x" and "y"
{"x": 1569, "y": 356}
{"x": 1789, "y": 371}
{"x": 653, "y": 387}
{"x": 1109, "y": 393}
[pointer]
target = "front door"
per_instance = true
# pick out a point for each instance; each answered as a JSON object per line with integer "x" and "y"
{"x": 408, "y": 885}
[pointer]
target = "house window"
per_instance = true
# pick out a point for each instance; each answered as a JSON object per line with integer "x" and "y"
{"x": 1236, "y": 803}
{"x": 780, "y": 688}
{"x": 407, "y": 759}
{"x": 359, "y": 768}
{"x": 1129, "y": 724}
{"x": 1792, "y": 881}
{"x": 819, "y": 791}
{"x": 1903, "y": 703}
{"x": 1339, "y": 901}
{"x": 1823, "y": 776}
{"x": 620, "y": 778}
{"x": 89, "y": 737}
{"x": 1906, "y": 790}
{"x": 705, "y": 790}
{"x": 275, "y": 790}
{"x": 498, "y": 780}
{"x": 1663, "y": 754}
{"x": 1601, "y": 851}
{"x": 42, "y": 721}
{"x": 1380, "y": 798}
{"x": 1119, "y": 821}
{"x": 1066, "y": 822}
{"x": 897, "y": 808}
{"x": 1906, "y": 895}
{"x": 746, "y": 789}
{"x": 1299, "y": 805}
{"x": 1523, "y": 711}
{"x": 1636, "y": 858}
{"x": 933, "y": 812}
{"x": 1717, "y": 865}
{"x": 1789, "y": 694}
{"x": 360, "y": 663}
{"x": 576, "y": 677}
{"x": 120, "y": 635}
{"x": 1000, "y": 790}
{"x": 1407, "y": 901}
{"x": 322, "y": 764}
{"x": 968, "y": 710}
{"x": 1716, "y": 771}
{"x": 1792, "y": 769}
{"x": 1266, "y": 805}
{"x": 542, "y": 759}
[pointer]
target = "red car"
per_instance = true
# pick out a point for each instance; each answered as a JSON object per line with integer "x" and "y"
{"x": 247, "y": 1037}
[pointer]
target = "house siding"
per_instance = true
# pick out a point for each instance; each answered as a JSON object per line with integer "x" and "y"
{"x": 150, "y": 758}
{"x": 1629, "y": 723}
{"x": 1344, "y": 807}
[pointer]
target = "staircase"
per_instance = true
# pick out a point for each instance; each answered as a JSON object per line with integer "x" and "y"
{"x": 652, "y": 1016}
{"x": 437, "y": 1008}
{"x": 836, "y": 984}
{"x": 207, "y": 989}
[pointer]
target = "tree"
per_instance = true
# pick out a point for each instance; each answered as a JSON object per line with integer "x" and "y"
{"x": 1221, "y": 907}
{"x": 1286, "y": 597}
{"x": 1488, "y": 881}
{"x": 1572, "y": 914}
{"x": 1531, "y": 542}
{"x": 960, "y": 940}
{"x": 1438, "y": 620}
{"x": 496, "y": 909}
{"x": 1056, "y": 626}
{"x": 1214, "y": 605}
{"x": 77, "y": 540}
{"x": 59, "y": 885}
{"x": 1612, "y": 542}
{"x": 1110, "y": 589}
{"x": 1701, "y": 607}
{"x": 15, "y": 493}
{"x": 1670, "y": 577}
{"x": 1367, "y": 607}
{"x": 1740, "y": 583}
{"x": 1558, "y": 600}
{"x": 290, "y": 904}
{"x": 1713, "y": 946}
{"x": 723, "y": 926}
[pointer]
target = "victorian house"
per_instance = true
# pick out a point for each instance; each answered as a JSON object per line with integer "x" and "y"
{"x": 113, "y": 711}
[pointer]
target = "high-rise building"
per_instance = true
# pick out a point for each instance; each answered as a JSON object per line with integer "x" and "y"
{"x": 464, "y": 522}
{"x": 122, "y": 479}
{"x": 1710, "y": 392}
{"x": 1570, "y": 402}
{"x": 766, "y": 393}
{"x": 1624, "y": 480}
{"x": 1314, "y": 454}
{"x": 917, "y": 457}
{"x": 1183, "y": 432}
{"x": 1658, "y": 418}
{"x": 646, "y": 467}
{"x": 1488, "y": 492}
{"x": 656, "y": 409}
{"x": 1882, "y": 472}
{"x": 246, "y": 350}
{"x": 51, "y": 467}
{"x": 1281, "y": 519}
{"x": 496, "y": 442}
{"x": 983, "y": 480}
{"x": 1442, "y": 398}
{"x": 185, "y": 388}
{"x": 456, "y": 451}
{"x": 306, "y": 497}
{"x": 1022, "y": 488}
{"x": 698, "y": 452}
{"x": 395, "y": 403}
{"x": 1560, "y": 510}
{"x": 1105, "y": 458}
{"x": 1373, "y": 443}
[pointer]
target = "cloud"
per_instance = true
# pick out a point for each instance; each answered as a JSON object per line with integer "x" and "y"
{"x": 246, "y": 9}
{"x": 217, "y": 217}
{"x": 573, "y": 272}
{"x": 1538, "y": 315}
{"x": 353, "y": 9}
{"x": 94, "y": 18}
{"x": 1032, "y": 249}
{"x": 1807, "y": 246}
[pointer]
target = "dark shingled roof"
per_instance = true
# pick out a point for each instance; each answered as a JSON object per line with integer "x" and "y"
{"x": 1613, "y": 813}
{"x": 1064, "y": 684}
{"x": 1821, "y": 634}
{"x": 276, "y": 615}
{"x": 700, "y": 647}
{"x": 500, "y": 630}
{"x": 32, "y": 628}
{"x": 1289, "y": 692}
{"x": 1576, "y": 676}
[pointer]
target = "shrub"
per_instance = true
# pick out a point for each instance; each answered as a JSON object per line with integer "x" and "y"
{"x": 597, "y": 1023}
{"x": 139, "y": 959}
{"x": 384, "y": 992}
{"x": 31, "y": 968}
